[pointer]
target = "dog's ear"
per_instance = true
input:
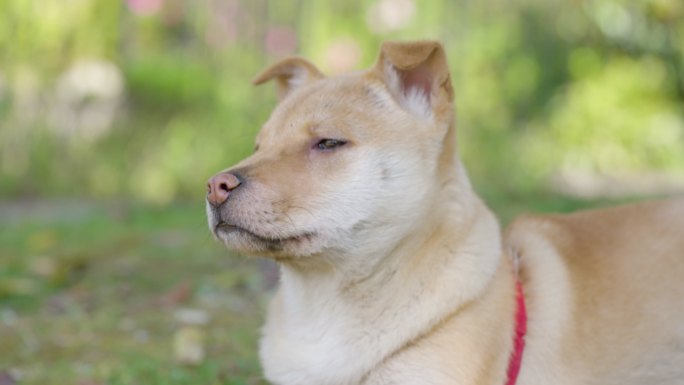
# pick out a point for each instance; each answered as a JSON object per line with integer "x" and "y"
{"x": 416, "y": 73}
{"x": 289, "y": 74}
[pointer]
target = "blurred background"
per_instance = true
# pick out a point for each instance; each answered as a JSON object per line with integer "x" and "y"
{"x": 113, "y": 114}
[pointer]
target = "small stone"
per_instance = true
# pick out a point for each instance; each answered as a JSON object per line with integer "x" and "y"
{"x": 189, "y": 345}
{"x": 187, "y": 316}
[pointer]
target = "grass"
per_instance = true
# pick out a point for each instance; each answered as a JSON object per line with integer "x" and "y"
{"x": 89, "y": 293}
{"x": 94, "y": 293}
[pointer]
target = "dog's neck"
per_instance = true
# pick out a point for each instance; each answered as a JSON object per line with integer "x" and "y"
{"x": 333, "y": 326}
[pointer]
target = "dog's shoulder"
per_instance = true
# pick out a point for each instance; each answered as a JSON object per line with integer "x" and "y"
{"x": 578, "y": 266}
{"x": 647, "y": 237}
{"x": 603, "y": 229}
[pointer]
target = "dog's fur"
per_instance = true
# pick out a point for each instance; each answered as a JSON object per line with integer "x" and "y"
{"x": 394, "y": 272}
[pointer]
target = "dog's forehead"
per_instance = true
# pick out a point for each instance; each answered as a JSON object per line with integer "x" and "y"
{"x": 331, "y": 102}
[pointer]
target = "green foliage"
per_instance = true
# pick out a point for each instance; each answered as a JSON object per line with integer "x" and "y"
{"x": 168, "y": 83}
{"x": 615, "y": 121}
{"x": 546, "y": 87}
{"x": 47, "y": 34}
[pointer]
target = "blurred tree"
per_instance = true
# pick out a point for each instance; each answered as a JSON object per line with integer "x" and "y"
{"x": 562, "y": 87}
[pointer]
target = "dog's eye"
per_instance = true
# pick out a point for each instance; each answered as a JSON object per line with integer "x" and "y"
{"x": 329, "y": 144}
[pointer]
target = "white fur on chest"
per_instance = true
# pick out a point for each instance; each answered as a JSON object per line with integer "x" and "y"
{"x": 316, "y": 333}
{"x": 324, "y": 344}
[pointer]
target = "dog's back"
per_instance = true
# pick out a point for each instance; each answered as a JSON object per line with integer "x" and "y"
{"x": 623, "y": 319}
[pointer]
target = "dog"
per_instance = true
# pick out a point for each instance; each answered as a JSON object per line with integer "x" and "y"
{"x": 393, "y": 271}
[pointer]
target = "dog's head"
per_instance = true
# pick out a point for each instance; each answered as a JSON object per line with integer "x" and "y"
{"x": 344, "y": 163}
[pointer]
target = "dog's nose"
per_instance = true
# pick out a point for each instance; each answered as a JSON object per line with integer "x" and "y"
{"x": 220, "y": 186}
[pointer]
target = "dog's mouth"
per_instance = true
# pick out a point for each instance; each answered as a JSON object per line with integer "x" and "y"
{"x": 229, "y": 230}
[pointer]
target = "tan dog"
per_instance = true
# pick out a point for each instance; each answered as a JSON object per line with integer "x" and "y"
{"x": 394, "y": 272}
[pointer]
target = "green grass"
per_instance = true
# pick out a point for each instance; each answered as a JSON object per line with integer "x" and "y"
{"x": 88, "y": 292}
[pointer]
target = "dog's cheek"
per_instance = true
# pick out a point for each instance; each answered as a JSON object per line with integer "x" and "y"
{"x": 336, "y": 198}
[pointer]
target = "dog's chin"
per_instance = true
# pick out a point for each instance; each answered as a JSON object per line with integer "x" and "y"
{"x": 284, "y": 248}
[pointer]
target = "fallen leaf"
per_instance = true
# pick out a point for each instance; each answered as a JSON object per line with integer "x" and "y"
{"x": 178, "y": 294}
{"x": 44, "y": 266}
{"x": 189, "y": 345}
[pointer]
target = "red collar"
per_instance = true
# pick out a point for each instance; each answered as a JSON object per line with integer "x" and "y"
{"x": 519, "y": 338}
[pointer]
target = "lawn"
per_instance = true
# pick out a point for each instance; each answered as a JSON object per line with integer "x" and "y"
{"x": 124, "y": 293}
{"x": 114, "y": 293}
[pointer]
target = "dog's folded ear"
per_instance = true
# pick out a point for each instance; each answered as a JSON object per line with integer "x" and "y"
{"x": 289, "y": 73}
{"x": 417, "y": 74}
